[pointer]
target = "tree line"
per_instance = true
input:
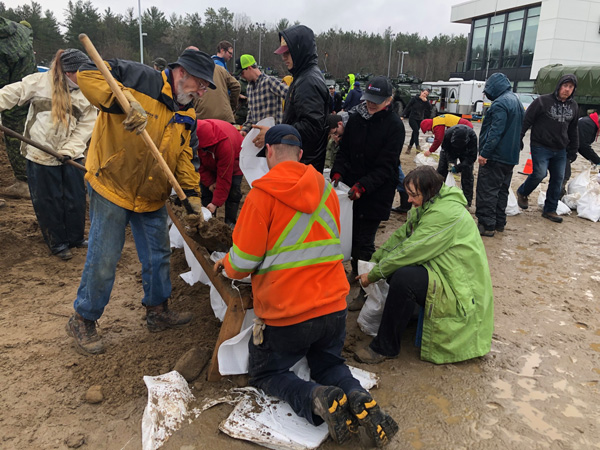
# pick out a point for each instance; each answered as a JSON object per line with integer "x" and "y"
{"x": 340, "y": 52}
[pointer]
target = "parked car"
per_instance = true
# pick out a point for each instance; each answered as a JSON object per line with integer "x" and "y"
{"x": 526, "y": 99}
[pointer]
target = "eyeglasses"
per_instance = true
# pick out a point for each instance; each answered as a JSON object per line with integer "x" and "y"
{"x": 201, "y": 86}
{"x": 230, "y": 52}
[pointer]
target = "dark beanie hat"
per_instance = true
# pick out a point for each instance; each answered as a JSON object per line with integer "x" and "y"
{"x": 72, "y": 59}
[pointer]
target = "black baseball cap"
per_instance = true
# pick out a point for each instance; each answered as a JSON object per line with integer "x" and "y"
{"x": 377, "y": 90}
{"x": 283, "y": 134}
{"x": 198, "y": 64}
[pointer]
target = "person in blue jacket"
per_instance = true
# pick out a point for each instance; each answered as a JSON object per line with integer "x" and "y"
{"x": 353, "y": 98}
{"x": 499, "y": 147}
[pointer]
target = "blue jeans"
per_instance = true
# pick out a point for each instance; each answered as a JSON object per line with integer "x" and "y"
{"x": 321, "y": 340}
{"x": 544, "y": 160}
{"x": 105, "y": 244}
{"x": 400, "y": 187}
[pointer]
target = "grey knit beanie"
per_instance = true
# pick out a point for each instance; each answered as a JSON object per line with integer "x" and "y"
{"x": 72, "y": 59}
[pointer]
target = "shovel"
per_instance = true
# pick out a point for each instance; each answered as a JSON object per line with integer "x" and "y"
{"x": 43, "y": 148}
{"x": 124, "y": 103}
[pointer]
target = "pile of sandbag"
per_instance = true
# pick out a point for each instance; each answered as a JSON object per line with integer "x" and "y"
{"x": 583, "y": 194}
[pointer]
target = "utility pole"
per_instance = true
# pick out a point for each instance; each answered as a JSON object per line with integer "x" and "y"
{"x": 260, "y": 33}
{"x": 402, "y": 64}
{"x": 234, "y": 53}
{"x": 141, "y": 34}
{"x": 390, "y": 54}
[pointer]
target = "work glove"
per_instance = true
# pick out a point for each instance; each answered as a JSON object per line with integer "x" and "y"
{"x": 335, "y": 179}
{"x": 453, "y": 169}
{"x": 64, "y": 158}
{"x": 356, "y": 191}
{"x": 136, "y": 119}
{"x": 196, "y": 204}
{"x": 572, "y": 157}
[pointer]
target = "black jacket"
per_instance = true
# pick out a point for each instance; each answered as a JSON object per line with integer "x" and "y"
{"x": 588, "y": 131}
{"x": 369, "y": 154}
{"x": 553, "y": 123}
{"x": 417, "y": 109}
{"x": 460, "y": 142}
{"x": 307, "y": 100}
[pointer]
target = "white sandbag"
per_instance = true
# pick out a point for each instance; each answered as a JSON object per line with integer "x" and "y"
{"x": 450, "y": 181}
{"x": 346, "y": 206}
{"x": 580, "y": 183}
{"x": 233, "y": 354}
{"x": 588, "y": 206}
{"x": 422, "y": 160}
{"x": 561, "y": 208}
{"x": 512, "y": 207}
{"x": 253, "y": 167}
{"x": 571, "y": 200}
{"x": 370, "y": 314}
{"x": 168, "y": 398}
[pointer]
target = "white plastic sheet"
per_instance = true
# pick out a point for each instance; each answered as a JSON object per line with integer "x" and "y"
{"x": 450, "y": 181}
{"x": 253, "y": 167}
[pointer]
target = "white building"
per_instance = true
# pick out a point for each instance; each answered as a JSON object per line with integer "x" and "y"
{"x": 518, "y": 37}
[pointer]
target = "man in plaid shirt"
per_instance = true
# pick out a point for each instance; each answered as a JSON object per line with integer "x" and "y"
{"x": 265, "y": 93}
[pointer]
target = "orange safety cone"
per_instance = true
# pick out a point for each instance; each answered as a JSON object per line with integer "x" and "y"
{"x": 528, "y": 169}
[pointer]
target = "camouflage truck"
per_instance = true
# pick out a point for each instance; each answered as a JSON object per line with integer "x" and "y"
{"x": 587, "y": 94}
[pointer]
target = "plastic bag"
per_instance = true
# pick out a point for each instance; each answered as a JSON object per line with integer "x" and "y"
{"x": 253, "y": 167}
{"x": 422, "y": 160}
{"x": 346, "y": 206}
{"x": 450, "y": 181}
{"x": 168, "y": 398}
{"x": 571, "y": 200}
{"x": 512, "y": 207}
{"x": 561, "y": 208}
{"x": 588, "y": 206}
{"x": 370, "y": 314}
{"x": 580, "y": 183}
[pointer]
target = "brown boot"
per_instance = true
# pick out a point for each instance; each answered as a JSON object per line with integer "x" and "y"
{"x": 159, "y": 318}
{"x": 84, "y": 332}
{"x": 19, "y": 189}
{"x": 408, "y": 149}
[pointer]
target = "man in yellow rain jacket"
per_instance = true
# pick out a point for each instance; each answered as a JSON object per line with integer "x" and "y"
{"x": 127, "y": 186}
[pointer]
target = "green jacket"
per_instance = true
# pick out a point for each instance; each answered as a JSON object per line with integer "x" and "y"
{"x": 459, "y": 310}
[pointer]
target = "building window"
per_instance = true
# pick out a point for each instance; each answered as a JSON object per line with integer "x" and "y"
{"x": 478, "y": 44}
{"x": 495, "y": 40}
{"x": 512, "y": 40}
{"x": 533, "y": 19}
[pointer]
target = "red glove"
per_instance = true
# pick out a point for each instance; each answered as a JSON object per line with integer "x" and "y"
{"x": 356, "y": 191}
{"x": 335, "y": 179}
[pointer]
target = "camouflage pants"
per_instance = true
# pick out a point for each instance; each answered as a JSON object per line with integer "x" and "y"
{"x": 15, "y": 120}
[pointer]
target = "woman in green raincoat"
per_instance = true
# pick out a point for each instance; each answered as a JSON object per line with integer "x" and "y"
{"x": 437, "y": 260}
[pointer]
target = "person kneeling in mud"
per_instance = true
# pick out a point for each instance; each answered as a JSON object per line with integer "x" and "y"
{"x": 436, "y": 260}
{"x": 290, "y": 244}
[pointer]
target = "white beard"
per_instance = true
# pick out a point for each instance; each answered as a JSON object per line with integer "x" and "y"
{"x": 183, "y": 98}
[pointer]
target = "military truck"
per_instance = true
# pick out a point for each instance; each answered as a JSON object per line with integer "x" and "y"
{"x": 587, "y": 94}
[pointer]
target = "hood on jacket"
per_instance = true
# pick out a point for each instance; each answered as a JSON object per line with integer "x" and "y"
{"x": 302, "y": 46}
{"x": 426, "y": 125}
{"x": 460, "y": 135}
{"x": 297, "y": 185}
{"x": 496, "y": 85}
{"x": 209, "y": 133}
{"x": 594, "y": 117}
{"x": 564, "y": 79}
{"x": 450, "y": 193}
{"x": 351, "y": 79}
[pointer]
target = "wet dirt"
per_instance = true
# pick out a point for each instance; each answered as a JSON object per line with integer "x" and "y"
{"x": 537, "y": 388}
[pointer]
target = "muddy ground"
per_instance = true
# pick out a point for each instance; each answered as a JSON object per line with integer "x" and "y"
{"x": 537, "y": 388}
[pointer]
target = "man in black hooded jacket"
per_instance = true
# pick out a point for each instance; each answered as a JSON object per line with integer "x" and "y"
{"x": 307, "y": 100}
{"x": 460, "y": 143}
{"x": 553, "y": 122}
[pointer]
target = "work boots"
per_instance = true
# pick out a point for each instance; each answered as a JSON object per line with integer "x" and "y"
{"x": 379, "y": 426}
{"x": 19, "y": 189}
{"x": 408, "y": 149}
{"x": 405, "y": 205}
{"x": 522, "y": 201}
{"x": 84, "y": 332}
{"x": 159, "y": 318}
{"x": 331, "y": 404}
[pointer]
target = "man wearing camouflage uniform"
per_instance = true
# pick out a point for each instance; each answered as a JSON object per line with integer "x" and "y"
{"x": 16, "y": 61}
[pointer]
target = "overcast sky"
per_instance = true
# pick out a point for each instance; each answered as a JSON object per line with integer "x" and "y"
{"x": 426, "y": 17}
